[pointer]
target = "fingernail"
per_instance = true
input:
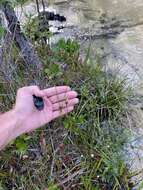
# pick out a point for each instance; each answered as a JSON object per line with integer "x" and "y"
{"x": 77, "y": 101}
{"x": 76, "y": 94}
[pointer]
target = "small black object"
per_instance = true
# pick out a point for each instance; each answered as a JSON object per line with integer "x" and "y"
{"x": 62, "y": 19}
{"x": 38, "y": 102}
{"x": 51, "y": 16}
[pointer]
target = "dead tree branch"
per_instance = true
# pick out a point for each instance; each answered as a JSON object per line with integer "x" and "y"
{"x": 27, "y": 51}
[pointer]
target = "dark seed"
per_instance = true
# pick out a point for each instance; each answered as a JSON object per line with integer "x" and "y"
{"x": 38, "y": 102}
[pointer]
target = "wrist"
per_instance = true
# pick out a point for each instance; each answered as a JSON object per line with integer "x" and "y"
{"x": 10, "y": 127}
{"x": 17, "y": 123}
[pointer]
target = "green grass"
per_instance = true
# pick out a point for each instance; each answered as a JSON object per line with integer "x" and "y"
{"x": 82, "y": 150}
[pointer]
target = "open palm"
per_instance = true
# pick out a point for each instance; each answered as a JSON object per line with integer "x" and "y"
{"x": 58, "y": 101}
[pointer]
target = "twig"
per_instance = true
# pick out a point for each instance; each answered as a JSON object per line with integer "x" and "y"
{"x": 71, "y": 177}
{"x": 38, "y": 9}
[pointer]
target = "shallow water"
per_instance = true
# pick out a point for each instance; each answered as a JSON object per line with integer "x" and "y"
{"x": 124, "y": 52}
{"x": 121, "y": 53}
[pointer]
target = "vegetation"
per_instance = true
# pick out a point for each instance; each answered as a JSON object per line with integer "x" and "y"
{"x": 80, "y": 151}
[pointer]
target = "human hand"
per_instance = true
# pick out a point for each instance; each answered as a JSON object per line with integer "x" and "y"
{"x": 58, "y": 101}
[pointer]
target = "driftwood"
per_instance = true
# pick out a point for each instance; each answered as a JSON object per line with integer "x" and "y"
{"x": 26, "y": 49}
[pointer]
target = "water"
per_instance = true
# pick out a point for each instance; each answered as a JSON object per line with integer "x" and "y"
{"x": 124, "y": 52}
{"x": 114, "y": 28}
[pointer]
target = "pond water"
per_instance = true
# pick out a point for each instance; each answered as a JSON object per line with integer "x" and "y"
{"x": 121, "y": 19}
{"x": 125, "y": 51}
{"x": 114, "y": 28}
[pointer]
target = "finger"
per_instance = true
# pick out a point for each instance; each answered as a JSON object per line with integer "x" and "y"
{"x": 65, "y": 104}
{"x": 64, "y": 96}
{"x": 31, "y": 90}
{"x": 62, "y": 112}
{"x": 56, "y": 90}
{"x": 38, "y": 93}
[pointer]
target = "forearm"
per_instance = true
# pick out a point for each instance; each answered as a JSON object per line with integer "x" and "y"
{"x": 9, "y": 124}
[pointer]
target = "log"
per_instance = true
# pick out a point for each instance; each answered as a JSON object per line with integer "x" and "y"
{"x": 27, "y": 51}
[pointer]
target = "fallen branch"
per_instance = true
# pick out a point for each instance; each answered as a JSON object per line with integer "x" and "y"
{"x": 27, "y": 51}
